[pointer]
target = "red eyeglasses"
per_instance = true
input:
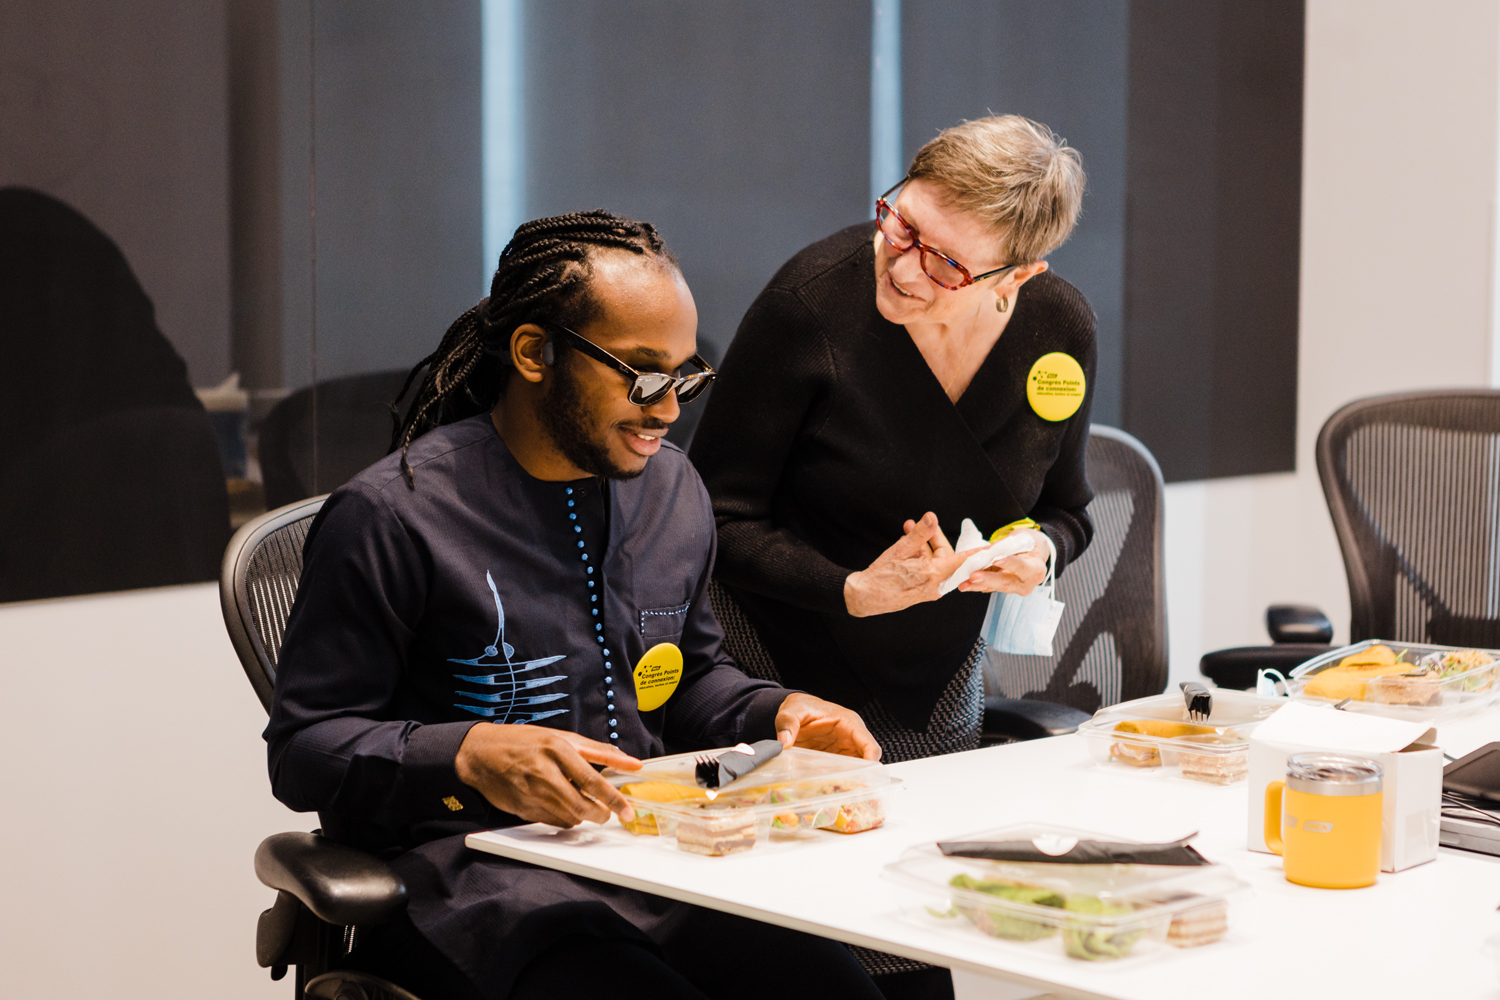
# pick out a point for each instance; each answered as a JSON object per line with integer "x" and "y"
{"x": 942, "y": 269}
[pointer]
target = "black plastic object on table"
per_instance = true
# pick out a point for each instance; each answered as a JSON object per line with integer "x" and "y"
{"x": 716, "y": 772}
{"x": 1066, "y": 851}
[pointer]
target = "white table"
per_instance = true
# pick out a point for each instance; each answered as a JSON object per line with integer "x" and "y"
{"x": 1416, "y": 933}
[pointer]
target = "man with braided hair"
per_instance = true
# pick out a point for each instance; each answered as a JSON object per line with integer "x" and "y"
{"x": 471, "y": 608}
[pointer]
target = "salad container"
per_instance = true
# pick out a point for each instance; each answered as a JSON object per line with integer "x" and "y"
{"x": 800, "y": 793}
{"x": 1092, "y": 913}
{"x": 1154, "y": 734}
{"x": 1416, "y": 681}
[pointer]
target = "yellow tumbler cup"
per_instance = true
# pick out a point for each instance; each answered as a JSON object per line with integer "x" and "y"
{"x": 1324, "y": 820}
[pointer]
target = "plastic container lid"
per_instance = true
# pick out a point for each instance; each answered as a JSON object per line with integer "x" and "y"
{"x": 1426, "y": 681}
{"x": 1321, "y": 773}
{"x": 1088, "y": 912}
{"x": 1155, "y": 733}
{"x": 792, "y": 765}
{"x": 799, "y": 792}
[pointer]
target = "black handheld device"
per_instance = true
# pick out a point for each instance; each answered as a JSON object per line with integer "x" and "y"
{"x": 1476, "y": 775}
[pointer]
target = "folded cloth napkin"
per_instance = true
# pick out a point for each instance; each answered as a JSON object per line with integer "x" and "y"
{"x": 968, "y": 538}
{"x": 1069, "y": 851}
{"x": 716, "y": 772}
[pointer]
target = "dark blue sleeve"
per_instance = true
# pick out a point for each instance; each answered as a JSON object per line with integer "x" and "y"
{"x": 717, "y": 704}
{"x": 334, "y": 744}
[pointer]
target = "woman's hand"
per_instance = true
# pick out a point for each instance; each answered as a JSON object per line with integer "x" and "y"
{"x": 1017, "y": 574}
{"x": 805, "y": 721}
{"x": 907, "y": 573}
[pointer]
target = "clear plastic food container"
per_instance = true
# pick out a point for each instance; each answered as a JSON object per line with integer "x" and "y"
{"x": 1155, "y": 734}
{"x": 1095, "y": 913}
{"x": 800, "y": 793}
{"x": 1403, "y": 679}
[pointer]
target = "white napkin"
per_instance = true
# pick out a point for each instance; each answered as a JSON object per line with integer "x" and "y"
{"x": 968, "y": 538}
{"x": 1322, "y": 727}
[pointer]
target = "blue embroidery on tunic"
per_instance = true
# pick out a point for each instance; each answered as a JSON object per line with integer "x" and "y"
{"x": 505, "y": 704}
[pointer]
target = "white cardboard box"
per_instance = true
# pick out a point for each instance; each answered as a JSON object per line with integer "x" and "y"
{"x": 1412, "y": 785}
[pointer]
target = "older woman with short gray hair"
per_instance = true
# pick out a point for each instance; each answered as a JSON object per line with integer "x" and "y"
{"x": 891, "y": 381}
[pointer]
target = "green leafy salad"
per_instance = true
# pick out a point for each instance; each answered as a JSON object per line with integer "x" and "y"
{"x": 1082, "y": 935}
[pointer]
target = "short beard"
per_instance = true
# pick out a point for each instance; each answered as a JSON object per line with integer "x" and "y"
{"x": 561, "y": 412}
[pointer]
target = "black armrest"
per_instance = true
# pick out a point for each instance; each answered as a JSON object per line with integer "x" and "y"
{"x": 1298, "y": 623}
{"x": 1235, "y": 668}
{"x": 1027, "y": 719}
{"x": 339, "y": 884}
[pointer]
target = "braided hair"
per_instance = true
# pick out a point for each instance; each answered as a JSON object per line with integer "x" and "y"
{"x": 543, "y": 277}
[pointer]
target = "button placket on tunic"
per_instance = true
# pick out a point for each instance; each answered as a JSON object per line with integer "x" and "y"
{"x": 595, "y": 613}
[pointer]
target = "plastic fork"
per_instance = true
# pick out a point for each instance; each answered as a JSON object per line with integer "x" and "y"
{"x": 1200, "y": 702}
{"x": 706, "y": 771}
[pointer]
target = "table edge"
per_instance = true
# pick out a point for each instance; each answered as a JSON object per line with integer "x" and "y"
{"x": 515, "y": 852}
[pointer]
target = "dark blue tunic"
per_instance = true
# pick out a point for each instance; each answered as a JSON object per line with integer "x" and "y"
{"x": 487, "y": 595}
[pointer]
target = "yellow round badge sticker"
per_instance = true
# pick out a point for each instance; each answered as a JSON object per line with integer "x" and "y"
{"x": 656, "y": 676}
{"x": 1055, "y": 386}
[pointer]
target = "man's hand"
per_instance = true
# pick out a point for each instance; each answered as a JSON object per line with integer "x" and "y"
{"x": 1017, "y": 574}
{"x": 542, "y": 775}
{"x": 805, "y": 721}
{"x": 907, "y": 573}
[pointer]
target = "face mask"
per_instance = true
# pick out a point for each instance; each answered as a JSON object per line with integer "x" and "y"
{"x": 1024, "y": 626}
{"x": 1270, "y": 684}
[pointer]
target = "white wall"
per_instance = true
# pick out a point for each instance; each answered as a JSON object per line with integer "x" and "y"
{"x": 135, "y": 793}
{"x": 1401, "y": 117}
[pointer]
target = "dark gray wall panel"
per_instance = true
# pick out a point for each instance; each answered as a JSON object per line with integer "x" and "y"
{"x": 1214, "y": 181}
{"x": 1062, "y": 63}
{"x": 398, "y": 180}
{"x": 121, "y": 111}
{"x": 740, "y": 130}
{"x": 255, "y": 191}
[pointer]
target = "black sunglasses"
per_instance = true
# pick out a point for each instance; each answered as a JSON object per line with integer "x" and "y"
{"x": 647, "y": 387}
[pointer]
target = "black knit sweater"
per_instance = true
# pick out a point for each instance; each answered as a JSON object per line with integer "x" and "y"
{"x": 827, "y": 429}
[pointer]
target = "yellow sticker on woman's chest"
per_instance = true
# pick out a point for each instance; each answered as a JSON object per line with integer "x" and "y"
{"x": 656, "y": 676}
{"x": 1055, "y": 386}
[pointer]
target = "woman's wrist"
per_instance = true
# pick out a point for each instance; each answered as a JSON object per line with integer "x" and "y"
{"x": 854, "y": 594}
{"x": 1045, "y": 546}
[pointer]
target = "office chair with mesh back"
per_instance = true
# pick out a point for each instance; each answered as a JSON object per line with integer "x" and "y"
{"x": 1413, "y": 485}
{"x": 325, "y": 891}
{"x": 1298, "y": 633}
{"x": 1111, "y": 644}
{"x": 354, "y": 432}
{"x": 1112, "y": 641}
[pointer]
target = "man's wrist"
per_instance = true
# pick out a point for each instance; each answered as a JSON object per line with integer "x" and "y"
{"x": 465, "y": 760}
{"x": 788, "y": 708}
{"x": 759, "y": 719}
{"x": 431, "y": 781}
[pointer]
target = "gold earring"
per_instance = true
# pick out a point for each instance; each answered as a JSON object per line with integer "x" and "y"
{"x": 1002, "y": 303}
